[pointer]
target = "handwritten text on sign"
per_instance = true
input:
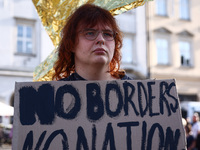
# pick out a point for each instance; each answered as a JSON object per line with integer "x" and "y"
{"x": 98, "y": 115}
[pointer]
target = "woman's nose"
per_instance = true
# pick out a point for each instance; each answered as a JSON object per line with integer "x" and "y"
{"x": 100, "y": 39}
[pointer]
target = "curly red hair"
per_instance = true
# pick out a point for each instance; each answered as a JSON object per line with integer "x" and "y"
{"x": 87, "y": 15}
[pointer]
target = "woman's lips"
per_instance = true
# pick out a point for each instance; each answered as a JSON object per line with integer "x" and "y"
{"x": 99, "y": 50}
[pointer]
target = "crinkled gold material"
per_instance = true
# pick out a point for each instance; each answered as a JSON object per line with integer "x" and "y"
{"x": 53, "y": 14}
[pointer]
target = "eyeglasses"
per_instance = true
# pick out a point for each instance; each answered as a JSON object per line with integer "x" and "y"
{"x": 91, "y": 34}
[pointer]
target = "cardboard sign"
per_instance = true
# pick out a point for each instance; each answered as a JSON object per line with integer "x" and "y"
{"x": 98, "y": 115}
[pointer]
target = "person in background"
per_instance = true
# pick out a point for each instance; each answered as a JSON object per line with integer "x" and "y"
{"x": 190, "y": 139}
{"x": 198, "y": 142}
{"x": 90, "y": 48}
{"x": 1, "y": 135}
{"x": 195, "y": 127}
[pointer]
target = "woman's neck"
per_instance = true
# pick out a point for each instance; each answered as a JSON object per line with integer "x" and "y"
{"x": 94, "y": 73}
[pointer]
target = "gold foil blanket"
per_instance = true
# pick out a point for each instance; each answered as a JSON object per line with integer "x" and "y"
{"x": 53, "y": 14}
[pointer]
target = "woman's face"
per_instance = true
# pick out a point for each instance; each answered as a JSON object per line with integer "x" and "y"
{"x": 94, "y": 45}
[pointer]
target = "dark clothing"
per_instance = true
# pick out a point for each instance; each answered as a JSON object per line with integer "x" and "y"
{"x": 75, "y": 77}
{"x": 190, "y": 140}
{"x": 198, "y": 142}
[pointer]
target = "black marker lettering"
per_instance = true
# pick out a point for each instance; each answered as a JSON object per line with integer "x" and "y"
{"x": 81, "y": 139}
{"x": 59, "y": 107}
{"x": 163, "y": 90}
{"x": 115, "y": 88}
{"x": 109, "y": 136}
{"x": 141, "y": 100}
{"x": 128, "y": 98}
{"x": 151, "y": 97}
{"x": 128, "y": 126}
{"x": 95, "y": 108}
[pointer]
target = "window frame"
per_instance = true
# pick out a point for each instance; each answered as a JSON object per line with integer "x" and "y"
{"x": 191, "y": 64}
{"x": 25, "y": 23}
{"x": 133, "y": 52}
{"x": 181, "y": 14}
{"x": 164, "y": 33}
{"x": 167, "y": 52}
{"x": 164, "y": 12}
{"x": 2, "y": 3}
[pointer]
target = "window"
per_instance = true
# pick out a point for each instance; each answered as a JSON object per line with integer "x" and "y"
{"x": 185, "y": 53}
{"x": 162, "y": 46}
{"x": 161, "y": 7}
{"x": 24, "y": 39}
{"x": 163, "y": 49}
{"x": 1, "y": 3}
{"x": 184, "y": 9}
{"x": 127, "y": 50}
{"x": 4, "y": 3}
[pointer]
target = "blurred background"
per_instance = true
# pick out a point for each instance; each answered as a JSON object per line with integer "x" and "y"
{"x": 161, "y": 41}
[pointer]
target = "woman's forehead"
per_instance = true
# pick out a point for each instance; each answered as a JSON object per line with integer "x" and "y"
{"x": 96, "y": 26}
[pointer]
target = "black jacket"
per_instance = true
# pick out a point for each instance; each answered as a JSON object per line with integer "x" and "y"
{"x": 76, "y": 77}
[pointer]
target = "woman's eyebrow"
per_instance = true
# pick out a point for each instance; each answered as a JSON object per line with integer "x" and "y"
{"x": 87, "y": 29}
{"x": 91, "y": 29}
{"x": 108, "y": 30}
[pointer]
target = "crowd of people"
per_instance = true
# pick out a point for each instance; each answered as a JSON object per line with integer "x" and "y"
{"x": 192, "y": 130}
{"x": 5, "y": 136}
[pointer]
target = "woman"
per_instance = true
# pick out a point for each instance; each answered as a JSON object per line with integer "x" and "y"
{"x": 90, "y": 48}
{"x": 189, "y": 137}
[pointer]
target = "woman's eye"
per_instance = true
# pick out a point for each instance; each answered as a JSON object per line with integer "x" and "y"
{"x": 108, "y": 34}
{"x": 90, "y": 33}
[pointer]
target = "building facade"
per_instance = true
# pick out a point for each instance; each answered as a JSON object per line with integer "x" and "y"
{"x": 24, "y": 44}
{"x": 173, "y": 44}
{"x": 134, "y": 56}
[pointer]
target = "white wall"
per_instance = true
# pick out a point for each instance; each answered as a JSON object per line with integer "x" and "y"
{"x": 141, "y": 38}
{"x": 15, "y": 67}
{"x": 134, "y": 24}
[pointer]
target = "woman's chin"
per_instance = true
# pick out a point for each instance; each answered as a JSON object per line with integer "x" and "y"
{"x": 101, "y": 61}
